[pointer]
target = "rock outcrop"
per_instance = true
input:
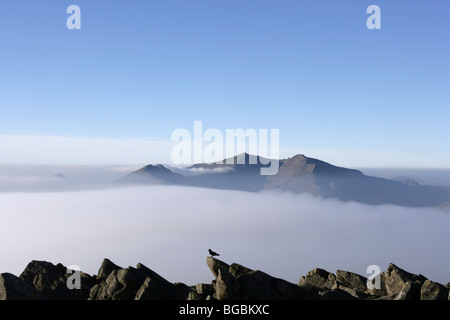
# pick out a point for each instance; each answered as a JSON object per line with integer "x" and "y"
{"x": 14, "y": 288}
{"x": 138, "y": 283}
{"x": 51, "y": 281}
{"x": 318, "y": 278}
{"x": 433, "y": 291}
{"x": 43, "y": 280}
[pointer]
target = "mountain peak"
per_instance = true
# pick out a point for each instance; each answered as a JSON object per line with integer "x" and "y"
{"x": 153, "y": 174}
{"x": 154, "y": 168}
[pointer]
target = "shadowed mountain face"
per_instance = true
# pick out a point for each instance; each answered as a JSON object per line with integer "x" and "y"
{"x": 302, "y": 174}
{"x": 241, "y": 172}
{"x": 298, "y": 174}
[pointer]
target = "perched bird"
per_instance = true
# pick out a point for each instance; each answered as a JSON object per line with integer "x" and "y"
{"x": 212, "y": 253}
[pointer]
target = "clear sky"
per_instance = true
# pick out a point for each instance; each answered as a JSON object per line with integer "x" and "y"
{"x": 138, "y": 70}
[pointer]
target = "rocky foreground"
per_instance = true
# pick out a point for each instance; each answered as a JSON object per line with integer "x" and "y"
{"x": 42, "y": 280}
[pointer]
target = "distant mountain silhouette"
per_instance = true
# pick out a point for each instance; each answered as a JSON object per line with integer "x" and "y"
{"x": 298, "y": 174}
{"x": 60, "y": 176}
{"x": 151, "y": 174}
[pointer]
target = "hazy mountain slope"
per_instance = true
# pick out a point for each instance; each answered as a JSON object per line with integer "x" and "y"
{"x": 157, "y": 174}
{"x": 243, "y": 173}
{"x": 302, "y": 174}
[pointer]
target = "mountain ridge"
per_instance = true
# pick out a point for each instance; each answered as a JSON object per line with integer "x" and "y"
{"x": 298, "y": 174}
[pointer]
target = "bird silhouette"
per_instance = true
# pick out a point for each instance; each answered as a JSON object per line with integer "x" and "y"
{"x": 212, "y": 253}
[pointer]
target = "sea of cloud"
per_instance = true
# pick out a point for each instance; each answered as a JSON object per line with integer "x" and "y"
{"x": 170, "y": 229}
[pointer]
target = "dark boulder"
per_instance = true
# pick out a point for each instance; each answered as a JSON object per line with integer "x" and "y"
{"x": 351, "y": 280}
{"x": 193, "y": 295}
{"x": 14, "y": 288}
{"x": 238, "y": 282}
{"x": 226, "y": 287}
{"x": 140, "y": 283}
{"x": 319, "y": 278}
{"x": 394, "y": 279}
{"x": 216, "y": 264}
{"x": 410, "y": 291}
{"x": 120, "y": 285}
{"x": 258, "y": 285}
{"x": 204, "y": 289}
{"x": 433, "y": 291}
{"x": 51, "y": 281}
{"x": 157, "y": 287}
{"x": 106, "y": 269}
{"x": 238, "y": 270}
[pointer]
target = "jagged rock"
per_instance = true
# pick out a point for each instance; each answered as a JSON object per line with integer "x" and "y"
{"x": 43, "y": 280}
{"x": 215, "y": 264}
{"x": 193, "y": 295}
{"x": 394, "y": 279}
{"x": 14, "y": 288}
{"x": 204, "y": 289}
{"x": 123, "y": 284}
{"x": 319, "y": 278}
{"x": 156, "y": 287}
{"x": 227, "y": 287}
{"x": 238, "y": 270}
{"x": 138, "y": 283}
{"x": 261, "y": 286}
{"x": 51, "y": 281}
{"x": 239, "y": 282}
{"x": 352, "y": 280}
{"x": 410, "y": 291}
{"x": 119, "y": 285}
{"x": 154, "y": 290}
{"x": 151, "y": 290}
{"x": 433, "y": 291}
{"x": 106, "y": 268}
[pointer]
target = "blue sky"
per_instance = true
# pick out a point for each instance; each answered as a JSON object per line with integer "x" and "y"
{"x": 137, "y": 70}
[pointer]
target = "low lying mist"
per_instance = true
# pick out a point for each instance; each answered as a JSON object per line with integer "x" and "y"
{"x": 191, "y": 172}
{"x": 52, "y": 178}
{"x": 170, "y": 229}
